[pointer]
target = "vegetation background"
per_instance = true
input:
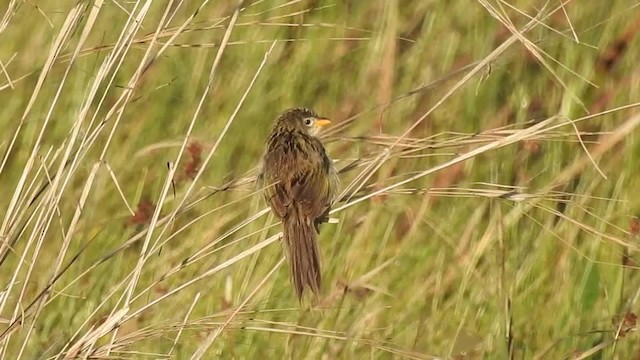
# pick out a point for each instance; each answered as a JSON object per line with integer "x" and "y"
{"x": 490, "y": 177}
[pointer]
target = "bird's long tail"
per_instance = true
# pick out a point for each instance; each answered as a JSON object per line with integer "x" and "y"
{"x": 301, "y": 243}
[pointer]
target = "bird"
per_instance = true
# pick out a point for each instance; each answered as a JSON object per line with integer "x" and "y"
{"x": 300, "y": 185}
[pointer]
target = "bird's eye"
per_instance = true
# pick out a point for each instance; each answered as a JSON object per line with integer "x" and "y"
{"x": 308, "y": 121}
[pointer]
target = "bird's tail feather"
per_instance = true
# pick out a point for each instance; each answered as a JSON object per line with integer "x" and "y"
{"x": 301, "y": 243}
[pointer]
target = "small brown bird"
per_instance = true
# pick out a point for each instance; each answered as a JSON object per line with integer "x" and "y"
{"x": 301, "y": 185}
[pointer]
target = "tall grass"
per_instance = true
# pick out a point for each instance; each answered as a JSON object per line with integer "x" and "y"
{"x": 488, "y": 157}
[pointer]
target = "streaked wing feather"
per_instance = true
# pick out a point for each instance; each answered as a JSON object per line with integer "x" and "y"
{"x": 277, "y": 198}
{"x": 312, "y": 191}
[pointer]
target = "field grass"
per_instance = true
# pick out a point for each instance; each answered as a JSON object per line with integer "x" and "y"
{"x": 490, "y": 179}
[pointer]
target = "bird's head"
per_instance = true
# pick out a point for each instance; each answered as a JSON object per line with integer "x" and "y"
{"x": 302, "y": 119}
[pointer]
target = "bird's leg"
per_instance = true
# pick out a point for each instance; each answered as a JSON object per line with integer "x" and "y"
{"x": 320, "y": 220}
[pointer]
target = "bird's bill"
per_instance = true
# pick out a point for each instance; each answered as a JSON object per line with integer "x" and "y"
{"x": 322, "y": 122}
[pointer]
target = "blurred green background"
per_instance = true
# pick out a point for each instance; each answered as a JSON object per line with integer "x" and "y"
{"x": 102, "y": 125}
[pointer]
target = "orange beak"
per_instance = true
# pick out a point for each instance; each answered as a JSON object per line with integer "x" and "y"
{"x": 322, "y": 122}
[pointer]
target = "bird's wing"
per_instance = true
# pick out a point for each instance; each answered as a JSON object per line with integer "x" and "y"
{"x": 277, "y": 198}
{"x": 312, "y": 189}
